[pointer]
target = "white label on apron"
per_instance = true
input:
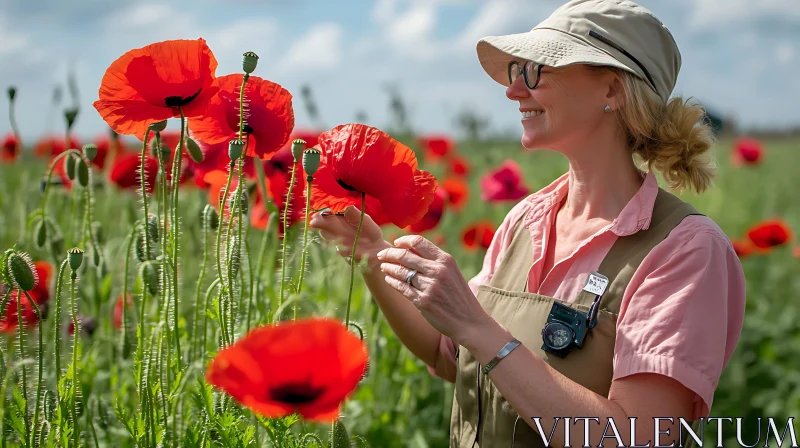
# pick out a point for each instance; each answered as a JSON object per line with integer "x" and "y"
{"x": 596, "y": 283}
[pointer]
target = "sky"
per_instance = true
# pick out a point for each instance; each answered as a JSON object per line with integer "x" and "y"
{"x": 741, "y": 58}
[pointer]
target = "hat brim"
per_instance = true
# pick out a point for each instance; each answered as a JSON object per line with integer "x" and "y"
{"x": 545, "y": 46}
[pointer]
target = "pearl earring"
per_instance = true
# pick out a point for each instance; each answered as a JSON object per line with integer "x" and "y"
{"x": 608, "y": 108}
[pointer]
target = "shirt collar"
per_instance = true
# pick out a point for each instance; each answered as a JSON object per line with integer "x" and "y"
{"x": 635, "y": 216}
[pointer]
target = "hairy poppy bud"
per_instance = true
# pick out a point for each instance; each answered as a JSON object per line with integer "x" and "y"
{"x": 75, "y": 257}
{"x": 158, "y": 126}
{"x": 90, "y": 151}
{"x": 41, "y": 233}
{"x": 12, "y": 93}
{"x": 141, "y": 253}
{"x": 339, "y": 436}
{"x": 249, "y": 62}
{"x": 83, "y": 172}
{"x": 233, "y": 257}
{"x": 298, "y": 146}
{"x": 194, "y": 150}
{"x": 242, "y": 202}
{"x": 152, "y": 227}
{"x": 311, "y": 161}
{"x": 235, "y": 148}
{"x": 210, "y": 217}
{"x": 70, "y": 167}
{"x": 21, "y": 271}
{"x": 148, "y": 272}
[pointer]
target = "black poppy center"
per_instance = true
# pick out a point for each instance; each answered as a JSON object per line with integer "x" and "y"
{"x": 345, "y": 186}
{"x": 295, "y": 393}
{"x": 176, "y": 101}
{"x": 247, "y": 129}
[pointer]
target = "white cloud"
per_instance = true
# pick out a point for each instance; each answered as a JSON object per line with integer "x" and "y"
{"x": 320, "y": 48}
{"x": 784, "y": 53}
{"x": 725, "y": 13}
{"x": 498, "y": 17}
{"x": 140, "y": 15}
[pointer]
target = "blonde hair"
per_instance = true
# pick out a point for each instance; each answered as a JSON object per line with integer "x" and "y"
{"x": 672, "y": 139}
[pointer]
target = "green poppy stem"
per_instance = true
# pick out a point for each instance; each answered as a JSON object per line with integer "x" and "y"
{"x": 20, "y": 325}
{"x": 176, "y": 234}
{"x": 41, "y": 366}
{"x": 309, "y": 180}
{"x": 285, "y": 234}
{"x": 76, "y": 382}
{"x": 196, "y": 323}
{"x": 12, "y": 117}
{"x": 57, "y": 321}
{"x": 124, "y": 342}
{"x": 353, "y": 261}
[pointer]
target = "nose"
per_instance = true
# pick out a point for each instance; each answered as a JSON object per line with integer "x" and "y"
{"x": 517, "y": 90}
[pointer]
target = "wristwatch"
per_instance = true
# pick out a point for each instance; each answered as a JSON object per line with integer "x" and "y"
{"x": 514, "y": 343}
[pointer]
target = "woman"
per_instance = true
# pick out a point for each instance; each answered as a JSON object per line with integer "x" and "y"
{"x": 593, "y": 82}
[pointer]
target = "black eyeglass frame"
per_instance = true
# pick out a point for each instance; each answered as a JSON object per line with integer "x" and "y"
{"x": 613, "y": 45}
{"x": 523, "y": 69}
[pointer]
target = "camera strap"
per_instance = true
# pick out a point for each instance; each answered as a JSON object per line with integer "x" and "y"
{"x": 596, "y": 284}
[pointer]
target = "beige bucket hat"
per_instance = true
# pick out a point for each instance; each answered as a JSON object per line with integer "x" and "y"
{"x": 618, "y": 33}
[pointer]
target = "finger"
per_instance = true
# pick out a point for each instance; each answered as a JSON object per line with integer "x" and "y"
{"x": 397, "y": 271}
{"x": 424, "y": 247}
{"x": 405, "y": 289}
{"x": 404, "y": 257}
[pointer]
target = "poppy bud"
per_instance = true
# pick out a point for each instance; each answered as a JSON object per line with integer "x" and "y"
{"x": 75, "y": 257}
{"x": 339, "y": 436}
{"x": 298, "y": 145}
{"x": 194, "y": 150}
{"x": 234, "y": 257}
{"x": 21, "y": 271}
{"x": 152, "y": 227}
{"x": 70, "y": 167}
{"x": 235, "y": 148}
{"x": 95, "y": 255}
{"x": 249, "y": 62}
{"x": 71, "y": 115}
{"x": 158, "y": 126}
{"x": 12, "y": 93}
{"x": 83, "y": 172}
{"x": 41, "y": 233}
{"x": 311, "y": 161}
{"x": 242, "y": 202}
{"x": 90, "y": 151}
{"x": 210, "y": 217}
{"x": 148, "y": 272}
{"x": 141, "y": 253}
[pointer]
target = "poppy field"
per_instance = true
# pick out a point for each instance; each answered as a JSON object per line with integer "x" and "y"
{"x": 161, "y": 287}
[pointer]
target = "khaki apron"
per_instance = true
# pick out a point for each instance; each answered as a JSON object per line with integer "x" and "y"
{"x": 524, "y": 314}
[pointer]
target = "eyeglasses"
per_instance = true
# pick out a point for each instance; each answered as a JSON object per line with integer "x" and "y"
{"x": 529, "y": 71}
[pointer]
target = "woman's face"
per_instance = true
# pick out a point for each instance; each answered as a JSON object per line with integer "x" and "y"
{"x": 567, "y": 105}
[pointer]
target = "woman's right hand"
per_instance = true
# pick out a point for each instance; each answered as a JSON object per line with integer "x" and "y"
{"x": 341, "y": 231}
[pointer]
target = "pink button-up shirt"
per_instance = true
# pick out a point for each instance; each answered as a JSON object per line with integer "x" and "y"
{"x": 681, "y": 314}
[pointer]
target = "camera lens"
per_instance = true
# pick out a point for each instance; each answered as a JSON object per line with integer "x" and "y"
{"x": 557, "y": 335}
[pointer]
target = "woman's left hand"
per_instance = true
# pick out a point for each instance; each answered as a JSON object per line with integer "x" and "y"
{"x": 438, "y": 290}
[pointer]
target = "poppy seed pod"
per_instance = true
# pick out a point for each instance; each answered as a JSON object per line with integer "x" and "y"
{"x": 90, "y": 151}
{"x": 70, "y": 167}
{"x": 21, "y": 271}
{"x": 75, "y": 257}
{"x": 83, "y": 173}
{"x": 71, "y": 115}
{"x": 298, "y": 146}
{"x": 158, "y": 126}
{"x": 12, "y": 93}
{"x": 249, "y": 62}
{"x": 311, "y": 159}
{"x": 210, "y": 217}
{"x": 41, "y": 233}
{"x": 194, "y": 150}
{"x": 235, "y": 148}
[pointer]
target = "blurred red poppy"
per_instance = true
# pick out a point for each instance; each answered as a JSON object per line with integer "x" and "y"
{"x": 278, "y": 174}
{"x": 54, "y": 145}
{"x": 10, "y": 148}
{"x": 305, "y": 366}
{"x": 216, "y": 181}
{"x": 770, "y": 233}
{"x": 118, "y": 308}
{"x": 457, "y": 192}
{"x": 150, "y": 84}
{"x": 40, "y": 295}
{"x": 215, "y": 158}
{"x": 504, "y": 183}
{"x": 125, "y": 172}
{"x": 478, "y": 235}
{"x": 459, "y": 166}
{"x": 747, "y": 151}
{"x": 103, "y": 144}
{"x": 434, "y": 215}
{"x": 743, "y": 247}
{"x": 268, "y": 121}
{"x": 88, "y": 325}
{"x": 436, "y": 147}
{"x": 358, "y": 159}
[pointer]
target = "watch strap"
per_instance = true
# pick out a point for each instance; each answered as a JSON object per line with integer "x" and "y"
{"x": 508, "y": 348}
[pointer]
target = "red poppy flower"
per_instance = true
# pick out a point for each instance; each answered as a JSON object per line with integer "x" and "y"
{"x": 434, "y": 215}
{"x": 770, "y": 233}
{"x": 150, "y": 84}
{"x": 125, "y": 172}
{"x": 436, "y": 147}
{"x": 10, "y": 148}
{"x": 278, "y": 174}
{"x": 306, "y": 366}
{"x": 742, "y": 247}
{"x": 360, "y": 159}
{"x": 53, "y": 145}
{"x": 457, "y": 192}
{"x": 747, "y": 151}
{"x": 479, "y": 234}
{"x": 504, "y": 183}
{"x": 269, "y": 119}
{"x": 118, "y": 310}
{"x": 40, "y": 295}
{"x": 459, "y": 166}
{"x": 216, "y": 181}
{"x": 215, "y": 157}
{"x": 103, "y": 144}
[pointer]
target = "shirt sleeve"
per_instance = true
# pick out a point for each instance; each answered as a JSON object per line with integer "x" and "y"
{"x": 446, "y": 357}
{"x": 684, "y": 316}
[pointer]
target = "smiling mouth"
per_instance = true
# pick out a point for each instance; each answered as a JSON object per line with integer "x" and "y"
{"x": 532, "y": 113}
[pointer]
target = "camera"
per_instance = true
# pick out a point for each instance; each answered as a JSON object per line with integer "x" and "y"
{"x": 566, "y": 327}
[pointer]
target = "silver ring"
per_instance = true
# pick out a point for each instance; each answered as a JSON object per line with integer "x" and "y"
{"x": 410, "y": 276}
